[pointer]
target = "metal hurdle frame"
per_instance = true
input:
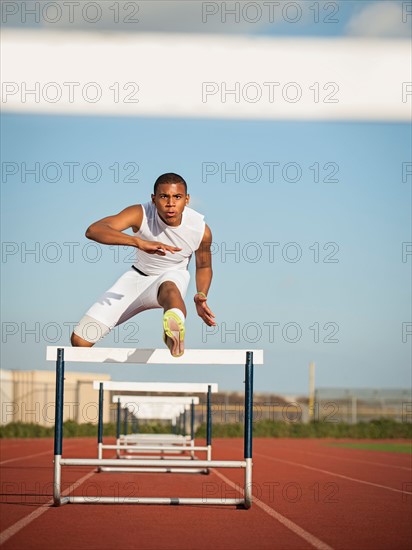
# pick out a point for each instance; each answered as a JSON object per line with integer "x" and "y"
{"x": 162, "y": 443}
{"x": 165, "y": 387}
{"x": 152, "y": 356}
{"x": 160, "y": 408}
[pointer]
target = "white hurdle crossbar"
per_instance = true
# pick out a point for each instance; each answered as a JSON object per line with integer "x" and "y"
{"x": 152, "y": 356}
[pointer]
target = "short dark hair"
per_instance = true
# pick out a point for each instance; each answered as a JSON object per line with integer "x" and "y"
{"x": 170, "y": 177}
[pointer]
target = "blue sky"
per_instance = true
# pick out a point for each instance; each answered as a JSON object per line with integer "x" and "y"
{"x": 308, "y": 220}
{"x": 354, "y": 294}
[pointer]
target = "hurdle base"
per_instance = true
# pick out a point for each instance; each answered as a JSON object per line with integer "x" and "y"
{"x": 61, "y": 501}
{"x": 248, "y": 483}
{"x": 157, "y": 457}
{"x": 156, "y": 470}
{"x": 156, "y": 500}
{"x": 151, "y": 463}
{"x": 160, "y": 448}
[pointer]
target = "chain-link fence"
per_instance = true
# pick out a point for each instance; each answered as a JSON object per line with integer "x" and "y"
{"x": 362, "y": 405}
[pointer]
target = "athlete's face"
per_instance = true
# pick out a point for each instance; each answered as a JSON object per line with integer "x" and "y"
{"x": 170, "y": 201}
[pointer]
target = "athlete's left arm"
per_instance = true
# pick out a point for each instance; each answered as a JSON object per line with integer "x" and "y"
{"x": 204, "y": 275}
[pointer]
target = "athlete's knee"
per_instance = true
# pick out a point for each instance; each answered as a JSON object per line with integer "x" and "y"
{"x": 167, "y": 287}
{"x": 88, "y": 332}
{"x": 78, "y": 341}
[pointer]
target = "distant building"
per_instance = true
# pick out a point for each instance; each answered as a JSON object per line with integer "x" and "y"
{"x": 28, "y": 396}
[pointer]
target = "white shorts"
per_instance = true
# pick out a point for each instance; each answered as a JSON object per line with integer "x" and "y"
{"x": 131, "y": 294}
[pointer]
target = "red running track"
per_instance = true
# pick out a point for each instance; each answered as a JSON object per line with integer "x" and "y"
{"x": 308, "y": 495}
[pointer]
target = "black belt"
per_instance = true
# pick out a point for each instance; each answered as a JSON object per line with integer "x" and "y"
{"x": 138, "y": 270}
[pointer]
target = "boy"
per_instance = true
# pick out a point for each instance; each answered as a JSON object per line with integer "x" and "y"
{"x": 165, "y": 234}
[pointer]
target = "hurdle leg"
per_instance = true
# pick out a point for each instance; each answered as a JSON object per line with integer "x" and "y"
{"x": 100, "y": 425}
{"x": 248, "y": 428}
{"x": 119, "y": 412}
{"x": 192, "y": 427}
{"x": 209, "y": 425}
{"x": 125, "y": 422}
{"x": 58, "y": 429}
{"x": 184, "y": 423}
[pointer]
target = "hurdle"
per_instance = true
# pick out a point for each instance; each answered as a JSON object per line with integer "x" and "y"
{"x": 163, "y": 357}
{"x": 159, "y": 407}
{"x": 148, "y": 407}
{"x": 167, "y": 387}
{"x": 164, "y": 387}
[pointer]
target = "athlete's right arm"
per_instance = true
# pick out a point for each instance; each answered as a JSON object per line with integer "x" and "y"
{"x": 109, "y": 230}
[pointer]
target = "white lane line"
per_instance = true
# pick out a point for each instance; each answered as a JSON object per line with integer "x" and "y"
{"x": 354, "y": 460}
{"x": 5, "y": 444}
{"x": 334, "y": 474}
{"x": 299, "y": 531}
{"x": 24, "y": 522}
{"x": 50, "y": 451}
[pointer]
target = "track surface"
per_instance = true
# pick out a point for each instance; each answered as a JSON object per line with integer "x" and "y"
{"x": 309, "y": 495}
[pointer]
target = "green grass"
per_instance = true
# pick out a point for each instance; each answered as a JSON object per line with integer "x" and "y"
{"x": 387, "y": 447}
{"x": 70, "y": 429}
{"x": 382, "y": 428}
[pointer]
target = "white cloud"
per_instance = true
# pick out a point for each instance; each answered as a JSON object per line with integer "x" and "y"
{"x": 380, "y": 19}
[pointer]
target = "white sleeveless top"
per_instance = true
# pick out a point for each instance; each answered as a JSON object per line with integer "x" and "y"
{"x": 187, "y": 236}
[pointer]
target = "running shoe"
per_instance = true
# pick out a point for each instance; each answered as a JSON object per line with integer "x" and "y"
{"x": 173, "y": 333}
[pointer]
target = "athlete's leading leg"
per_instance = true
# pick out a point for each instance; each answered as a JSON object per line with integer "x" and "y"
{"x": 170, "y": 299}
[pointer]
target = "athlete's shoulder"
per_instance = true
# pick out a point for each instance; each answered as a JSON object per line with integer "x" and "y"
{"x": 194, "y": 223}
{"x": 148, "y": 209}
{"x": 192, "y": 214}
{"x": 207, "y": 235}
{"x": 134, "y": 213}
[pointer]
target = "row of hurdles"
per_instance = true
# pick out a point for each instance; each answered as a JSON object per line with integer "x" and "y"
{"x": 160, "y": 462}
{"x": 167, "y": 445}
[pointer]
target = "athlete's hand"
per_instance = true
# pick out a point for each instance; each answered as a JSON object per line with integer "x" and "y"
{"x": 153, "y": 247}
{"x": 203, "y": 310}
